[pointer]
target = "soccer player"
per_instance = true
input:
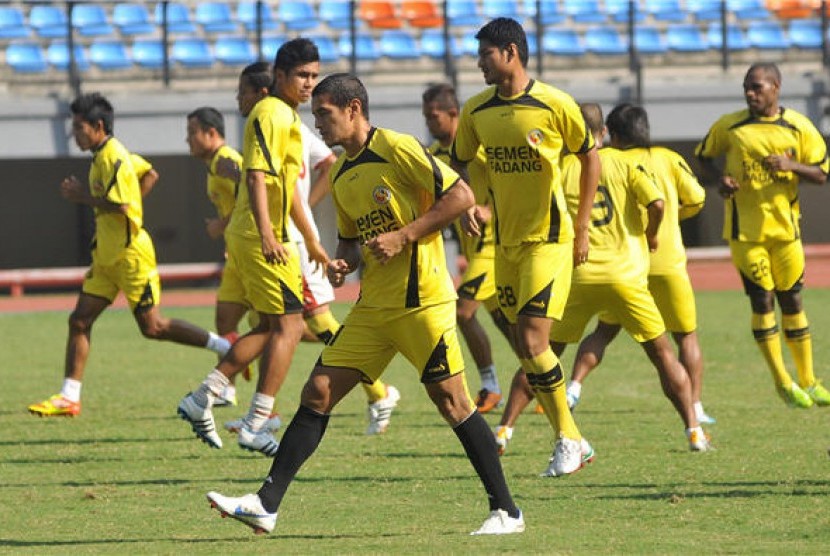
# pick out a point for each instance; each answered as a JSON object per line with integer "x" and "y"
{"x": 392, "y": 199}
{"x": 523, "y": 126}
{"x": 123, "y": 256}
{"x": 769, "y": 150}
{"x": 668, "y": 280}
{"x": 263, "y": 254}
{"x": 441, "y": 109}
{"x": 147, "y": 175}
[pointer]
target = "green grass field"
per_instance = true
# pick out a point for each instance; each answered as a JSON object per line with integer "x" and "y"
{"x": 128, "y": 476}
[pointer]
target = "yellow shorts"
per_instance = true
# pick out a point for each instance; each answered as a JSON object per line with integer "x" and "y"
{"x": 629, "y": 305}
{"x": 231, "y": 288}
{"x": 136, "y": 274}
{"x": 675, "y": 300}
{"x": 478, "y": 281}
{"x": 533, "y": 279}
{"x": 370, "y": 336}
{"x": 273, "y": 289}
{"x": 769, "y": 265}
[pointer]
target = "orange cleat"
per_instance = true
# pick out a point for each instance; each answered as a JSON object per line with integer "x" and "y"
{"x": 56, "y": 406}
{"x": 487, "y": 400}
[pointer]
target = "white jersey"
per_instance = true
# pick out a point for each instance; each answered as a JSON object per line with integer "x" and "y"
{"x": 314, "y": 152}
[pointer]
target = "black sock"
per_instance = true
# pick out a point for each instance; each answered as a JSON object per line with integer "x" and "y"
{"x": 301, "y": 438}
{"x": 480, "y": 444}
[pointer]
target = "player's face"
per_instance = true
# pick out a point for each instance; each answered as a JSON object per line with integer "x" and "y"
{"x": 296, "y": 85}
{"x": 197, "y": 139}
{"x": 247, "y": 96}
{"x": 87, "y": 136}
{"x": 493, "y": 62}
{"x": 440, "y": 122}
{"x": 761, "y": 93}
{"x": 333, "y": 123}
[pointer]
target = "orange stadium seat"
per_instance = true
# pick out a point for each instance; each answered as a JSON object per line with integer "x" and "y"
{"x": 379, "y": 15}
{"x": 793, "y": 9}
{"x": 421, "y": 13}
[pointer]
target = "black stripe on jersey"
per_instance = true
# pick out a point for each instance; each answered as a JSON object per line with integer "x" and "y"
{"x": 753, "y": 120}
{"x": 290, "y": 302}
{"x": 555, "y": 221}
{"x": 736, "y": 229}
{"x": 524, "y": 100}
{"x": 437, "y": 367}
{"x": 480, "y": 242}
{"x": 585, "y": 146}
{"x": 128, "y": 232}
{"x": 114, "y": 178}
{"x": 702, "y": 148}
{"x": 793, "y": 219}
{"x": 437, "y": 175}
{"x": 496, "y": 235}
{"x": 368, "y": 156}
{"x": 412, "y": 297}
{"x": 260, "y": 138}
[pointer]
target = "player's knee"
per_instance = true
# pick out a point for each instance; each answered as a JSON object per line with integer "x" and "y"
{"x": 79, "y": 323}
{"x": 790, "y": 302}
{"x": 762, "y": 301}
{"x": 315, "y": 394}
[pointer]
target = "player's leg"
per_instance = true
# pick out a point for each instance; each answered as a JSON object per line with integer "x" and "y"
{"x": 478, "y": 343}
{"x": 519, "y": 397}
{"x": 589, "y": 355}
{"x": 227, "y": 317}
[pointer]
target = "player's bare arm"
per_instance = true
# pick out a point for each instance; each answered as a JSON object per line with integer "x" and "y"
{"x": 588, "y": 182}
{"x": 316, "y": 253}
{"x": 215, "y": 226}
{"x": 783, "y": 163}
{"x": 75, "y": 192}
{"x": 321, "y": 186}
{"x": 655, "y": 212}
{"x": 148, "y": 181}
{"x": 228, "y": 168}
{"x": 346, "y": 260}
{"x": 272, "y": 250}
{"x": 727, "y": 185}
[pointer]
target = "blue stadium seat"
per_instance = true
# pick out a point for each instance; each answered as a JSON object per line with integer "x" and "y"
{"x": 48, "y": 22}
{"x": 746, "y": 10}
{"x": 13, "y": 24}
{"x": 605, "y": 40}
{"x": 335, "y": 14}
{"x": 584, "y": 11}
{"x": 532, "y": 47}
{"x": 246, "y": 14}
{"x": 178, "y": 18}
{"x": 686, "y": 37}
{"x": 551, "y": 13}
{"x": 326, "y": 47}
{"x": 463, "y": 13}
{"x": 233, "y": 51}
{"x": 90, "y": 20}
{"x": 805, "y": 33}
{"x": 432, "y": 43}
{"x": 270, "y": 45}
{"x": 649, "y": 40}
{"x": 26, "y": 57}
{"x": 704, "y": 10}
{"x": 148, "y": 53}
{"x": 501, "y": 8}
{"x": 215, "y": 17}
{"x": 469, "y": 43}
{"x": 398, "y": 44}
{"x": 665, "y": 10}
{"x": 57, "y": 54}
{"x": 562, "y": 41}
{"x": 132, "y": 19}
{"x": 191, "y": 53}
{"x": 109, "y": 55}
{"x": 297, "y": 15}
{"x": 618, "y": 10}
{"x": 366, "y": 48}
{"x": 735, "y": 38}
{"x": 767, "y": 35}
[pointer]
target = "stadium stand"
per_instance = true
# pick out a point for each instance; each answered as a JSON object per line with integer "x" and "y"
{"x": 747, "y": 10}
{"x": 215, "y": 18}
{"x": 270, "y": 45}
{"x": 132, "y": 19}
{"x": 432, "y": 44}
{"x": 148, "y": 53}
{"x": 297, "y": 15}
{"x": 562, "y": 41}
{"x": 617, "y": 10}
{"x": 335, "y": 14}
{"x": 398, "y": 44}
{"x": 192, "y": 52}
{"x": 584, "y": 11}
{"x": 90, "y": 20}
{"x": 704, "y": 10}
{"x": 421, "y": 14}
{"x": 735, "y": 37}
{"x": 605, "y": 40}
{"x": 246, "y": 14}
{"x": 326, "y": 47}
{"x": 234, "y": 51}
{"x": 463, "y": 13}
{"x": 57, "y": 54}
{"x": 366, "y": 49}
{"x": 649, "y": 40}
{"x": 178, "y": 18}
{"x": 666, "y": 10}
{"x": 379, "y": 14}
{"x": 26, "y": 57}
{"x": 501, "y": 8}
{"x": 767, "y": 35}
{"x": 550, "y": 12}
{"x": 13, "y": 24}
{"x": 686, "y": 37}
{"x": 805, "y": 33}
{"x": 110, "y": 54}
{"x": 49, "y": 22}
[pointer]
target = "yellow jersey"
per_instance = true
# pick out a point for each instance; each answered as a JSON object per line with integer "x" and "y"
{"x": 140, "y": 164}
{"x": 220, "y": 190}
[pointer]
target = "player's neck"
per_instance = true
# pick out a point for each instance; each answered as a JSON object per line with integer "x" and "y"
{"x": 355, "y": 143}
{"x": 211, "y": 154}
{"x": 514, "y": 84}
{"x": 770, "y": 112}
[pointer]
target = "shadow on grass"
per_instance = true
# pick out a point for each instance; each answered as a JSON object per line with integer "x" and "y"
{"x": 87, "y": 441}
{"x": 155, "y": 540}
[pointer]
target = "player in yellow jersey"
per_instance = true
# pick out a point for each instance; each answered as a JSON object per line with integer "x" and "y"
{"x": 123, "y": 257}
{"x": 769, "y": 150}
{"x": 441, "y": 109}
{"x": 524, "y": 127}
{"x": 147, "y": 175}
{"x": 668, "y": 280}
{"x": 392, "y": 200}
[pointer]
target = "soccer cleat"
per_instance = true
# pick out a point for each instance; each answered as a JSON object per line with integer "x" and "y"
{"x": 572, "y": 396}
{"x": 487, "y": 400}
{"x": 699, "y": 441}
{"x": 499, "y": 523}
{"x": 706, "y": 419}
{"x": 380, "y": 412}
{"x": 201, "y": 421}
{"x": 569, "y": 456}
{"x": 56, "y": 406}
{"x": 226, "y": 398}
{"x": 818, "y": 394}
{"x": 261, "y": 441}
{"x": 503, "y": 435}
{"x": 794, "y": 396}
{"x": 247, "y": 509}
{"x": 273, "y": 424}
{"x": 539, "y": 409}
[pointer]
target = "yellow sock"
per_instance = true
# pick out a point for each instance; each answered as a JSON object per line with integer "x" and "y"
{"x": 765, "y": 330}
{"x": 375, "y": 391}
{"x": 545, "y": 376}
{"x": 324, "y": 326}
{"x": 797, "y": 336}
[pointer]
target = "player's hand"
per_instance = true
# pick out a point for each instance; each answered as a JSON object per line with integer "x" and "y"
{"x": 215, "y": 227}
{"x": 483, "y": 214}
{"x": 779, "y": 163}
{"x": 227, "y": 168}
{"x": 337, "y": 270}
{"x": 273, "y": 251}
{"x": 317, "y": 255}
{"x": 653, "y": 243}
{"x": 728, "y": 186}
{"x": 72, "y": 189}
{"x": 385, "y": 246}
{"x": 470, "y": 222}
{"x": 580, "y": 254}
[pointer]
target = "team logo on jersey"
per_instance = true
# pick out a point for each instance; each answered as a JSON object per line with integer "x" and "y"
{"x": 381, "y": 194}
{"x": 535, "y": 137}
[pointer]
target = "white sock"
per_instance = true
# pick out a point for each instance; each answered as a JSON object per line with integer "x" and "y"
{"x": 210, "y": 388}
{"x": 218, "y": 344}
{"x": 71, "y": 389}
{"x": 697, "y": 429}
{"x": 574, "y": 389}
{"x": 699, "y": 410}
{"x": 489, "y": 380}
{"x": 260, "y": 410}
{"x": 229, "y": 393}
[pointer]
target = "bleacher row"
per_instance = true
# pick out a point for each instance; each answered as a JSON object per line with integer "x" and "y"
{"x": 115, "y": 36}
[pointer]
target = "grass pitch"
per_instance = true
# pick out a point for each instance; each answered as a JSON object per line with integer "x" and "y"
{"x": 128, "y": 476}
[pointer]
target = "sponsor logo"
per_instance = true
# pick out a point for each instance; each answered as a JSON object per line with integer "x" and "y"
{"x": 535, "y": 137}
{"x": 381, "y": 194}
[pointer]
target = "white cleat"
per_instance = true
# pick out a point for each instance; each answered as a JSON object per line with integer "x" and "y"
{"x": 499, "y": 523}
{"x": 569, "y": 456}
{"x": 247, "y": 509}
{"x": 503, "y": 436}
{"x": 380, "y": 412}
{"x": 572, "y": 396}
{"x": 273, "y": 424}
{"x": 201, "y": 421}
{"x": 699, "y": 441}
{"x": 226, "y": 398}
{"x": 261, "y": 441}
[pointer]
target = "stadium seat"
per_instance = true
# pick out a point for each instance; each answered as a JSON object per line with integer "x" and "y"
{"x": 297, "y": 15}
{"x": 792, "y": 9}
{"x": 326, "y": 47}
{"x": 90, "y": 20}
{"x": 335, "y": 14}
{"x": 767, "y": 35}
{"x": 463, "y": 13}
{"x": 270, "y": 45}
{"x": 49, "y": 22}
{"x": 605, "y": 40}
{"x": 26, "y": 57}
{"x": 246, "y": 14}
{"x": 57, "y": 54}
{"x": 398, "y": 44}
{"x": 584, "y": 11}
{"x": 532, "y": 43}
{"x": 686, "y": 37}
{"x": 132, "y": 19}
{"x": 109, "y": 55}
{"x": 469, "y": 43}
{"x": 178, "y": 18}
{"x": 551, "y": 13}
{"x": 805, "y": 33}
{"x": 13, "y": 24}
{"x": 215, "y": 17}
{"x": 562, "y": 41}
{"x": 665, "y": 10}
{"x": 379, "y": 14}
{"x": 191, "y": 53}
{"x": 735, "y": 38}
{"x": 501, "y": 8}
{"x": 422, "y": 14}
{"x": 432, "y": 43}
{"x": 366, "y": 48}
{"x": 233, "y": 51}
{"x": 745, "y": 10}
{"x": 704, "y": 10}
{"x": 618, "y": 10}
{"x": 148, "y": 53}
{"x": 649, "y": 40}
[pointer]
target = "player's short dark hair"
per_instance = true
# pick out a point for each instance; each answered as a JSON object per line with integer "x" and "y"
{"x": 209, "y": 118}
{"x": 442, "y": 94}
{"x": 258, "y": 75}
{"x": 770, "y": 68}
{"x": 592, "y": 112}
{"x": 296, "y": 52}
{"x": 342, "y": 88}
{"x": 628, "y": 124}
{"x": 94, "y": 108}
{"x": 503, "y": 31}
